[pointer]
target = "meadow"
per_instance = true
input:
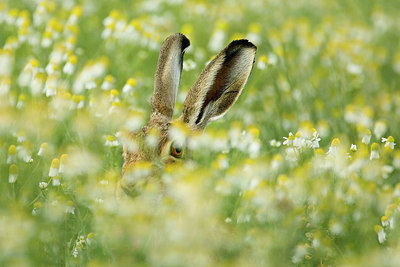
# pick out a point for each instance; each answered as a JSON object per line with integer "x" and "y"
{"x": 304, "y": 170}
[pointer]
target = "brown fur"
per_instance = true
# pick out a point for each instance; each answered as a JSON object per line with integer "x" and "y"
{"x": 212, "y": 95}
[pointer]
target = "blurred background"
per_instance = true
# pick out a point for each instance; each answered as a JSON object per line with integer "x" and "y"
{"x": 303, "y": 170}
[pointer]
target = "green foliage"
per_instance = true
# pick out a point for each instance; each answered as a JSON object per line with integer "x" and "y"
{"x": 76, "y": 74}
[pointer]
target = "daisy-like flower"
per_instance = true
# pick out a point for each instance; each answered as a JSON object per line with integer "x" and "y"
{"x": 114, "y": 94}
{"x": 129, "y": 86}
{"x": 56, "y": 181}
{"x": 12, "y": 155}
{"x": 389, "y": 142}
{"x": 6, "y": 62}
{"x": 63, "y": 163}
{"x": 37, "y": 83}
{"x": 385, "y": 221}
{"x": 47, "y": 39}
{"x": 289, "y": 140}
{"x": 386, "y": 171}
{"x": 108, "y": 83}
{"x": 354, "y": 69}
{"x": 29, "y": 72}
{"x": 53, "y": 67}
{"x": 89, "y": 238}
{"x": 380, "y": 128}
{"x": 189, "y": 65}
{"x": 13, "y": 174}
{"x": 366, "y": 136}
{"x": 381, "y": 233}
{"x": 353, "y": 148}
{"x": 334, "y": 146}
{"x": 254, "y": 33}
{"x": 51, "y": 85}
{"x": 69, "y": 67}
{"x": 42, "y": 149}
{"x": 262, "y": 62}
{"x": 275, "y": 143}
{"x": 21, "y": 136}
{"x": 55, "y": 165}
{"x": 218, "y": 37}
{"x": 91, "y": 84}
{"x": 70, "y": 207}
{"x": 21, "y": 101}
{"x": 37, "y": 206}
{"x": 111, "y": 141}
{"x": 314, "y": 142}
{"x": 79, "y": 101}
{"x": 5, "y": 85}
{"x": 76, "y": 13}
{"x": 374, "y": 151}
{"x": 299, "y": 141}
{"x": 71, "y": 43}
{"x": 24, "y": 152}
{"x": 43, "y": 185}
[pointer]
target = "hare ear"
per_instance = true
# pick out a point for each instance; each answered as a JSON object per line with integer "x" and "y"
{"x": 168, "y": 74}
{"x": 219, "y": 85}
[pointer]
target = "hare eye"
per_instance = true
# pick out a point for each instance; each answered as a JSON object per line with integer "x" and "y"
{"x": 176, "y": 150}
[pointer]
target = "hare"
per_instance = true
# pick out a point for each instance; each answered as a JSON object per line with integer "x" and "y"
{"x": 212, "y": 95}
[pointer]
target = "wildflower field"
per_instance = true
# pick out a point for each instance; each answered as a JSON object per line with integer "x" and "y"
{"x": 303, "y": 170}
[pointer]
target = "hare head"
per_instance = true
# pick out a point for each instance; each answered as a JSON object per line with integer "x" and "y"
{"x": 215, "y": 91}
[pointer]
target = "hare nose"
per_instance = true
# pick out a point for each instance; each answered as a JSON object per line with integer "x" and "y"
{"x": 137, "y": 176}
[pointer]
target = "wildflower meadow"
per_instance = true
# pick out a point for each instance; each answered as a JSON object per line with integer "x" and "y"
{"x": 304, "y": 169}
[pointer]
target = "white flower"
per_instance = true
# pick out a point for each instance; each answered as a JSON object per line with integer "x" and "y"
{"x": 374, "y": 151}
{"x": 63, "y": 163}
{"x": 381, "y": 231}
{"x": 275, "y": 143}
{"x": 216, "y": 40}
{"x": 289, "y": 140}
{"x": 333, "y": 149}
{"x": 262, "y": 62}
{"x": 380, "y": 128}
{"x": 353, "y": 148}
{"x": 111, "y": 141}
{"x": 129, "y": 86}
{"x": 389, "y": 142}
{"x": 69, "y": 68}
{"x": 381, "y": 236}
{"x": 42, "y": 185}
{"x": 314, "y": 143}
{"x": 12, "y": 154}
{"x": 75, "y": 253}
{"x": 43, "y": 148}
{"x": 70, "y": 209}
{"x": 299, "y": 141}
{"x": 189, "y": 65}
{"x": 366, "y": 139}
{"x": 89, "y": 85}
{"x": 13, "y": 174}
{"x": 56, "y": 181}
{"x": 108, "y": 83}
{"x": 354, "y": 68}
{"x": 55, "y": 165}
{"x": 374, "y": 155}
{"x": 386, "y": 171}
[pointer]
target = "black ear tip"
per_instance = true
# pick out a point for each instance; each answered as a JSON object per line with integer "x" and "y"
{"x": 243, "y": 43}
{"x": 238, "y": 45}
{"x": 183, "y": 39}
